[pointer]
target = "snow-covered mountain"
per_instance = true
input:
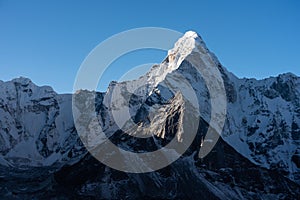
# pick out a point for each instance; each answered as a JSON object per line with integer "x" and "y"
{"x": 37, "y": 127}
{"x": 259, "y": 143}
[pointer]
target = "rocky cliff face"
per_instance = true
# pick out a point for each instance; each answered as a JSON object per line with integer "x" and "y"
{"x": 259, "y": 142}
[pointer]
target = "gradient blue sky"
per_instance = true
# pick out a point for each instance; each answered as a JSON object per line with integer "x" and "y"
{"x": 48, "y": 40}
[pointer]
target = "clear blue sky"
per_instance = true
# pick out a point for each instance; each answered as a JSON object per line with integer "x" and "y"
{"x": 47, "y": 40}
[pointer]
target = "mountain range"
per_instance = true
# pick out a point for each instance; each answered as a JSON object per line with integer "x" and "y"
{"x": 45, "y": 151}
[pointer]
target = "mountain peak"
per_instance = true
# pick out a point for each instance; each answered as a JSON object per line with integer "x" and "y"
{"x": 185, "y": 45}
{"x": 22, "y": 80}
{"x": 192, "y": 34}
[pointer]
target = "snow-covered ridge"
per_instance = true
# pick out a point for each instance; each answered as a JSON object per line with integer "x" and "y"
{"x": 263, "y": 122}
{"x": 36, "y": 125}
